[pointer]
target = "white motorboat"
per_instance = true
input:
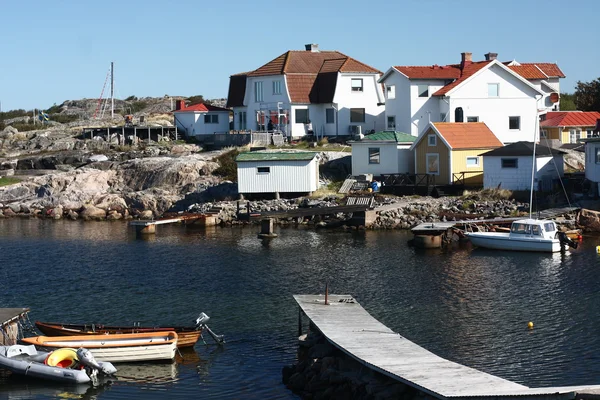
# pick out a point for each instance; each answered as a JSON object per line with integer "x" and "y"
{"x": 62, "y": 365}
{"x": 127, "y": 347}
{"x": 525, "y": 235}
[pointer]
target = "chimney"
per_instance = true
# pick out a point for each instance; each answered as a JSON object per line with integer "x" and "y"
{"x": 313, "y": 47}
{"x": 491, "y": 56}
{"x": 465, "y": 59}
{"x": 179, "y": 104}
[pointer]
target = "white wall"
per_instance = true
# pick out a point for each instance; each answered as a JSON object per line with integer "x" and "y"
{"x": 424, "y": 109}
{"x": 515, "y": 99}
{"x": 592, "y": 170}
{"x": 519, "y": 178}
{"x": 269, "y": 101}
{"x": 368, "y": 99}
{"x": 193, "y": 122}
{"x": 284, "y": 176}
{"x": 400, "y": 105}
{"x": 394, "y": 159}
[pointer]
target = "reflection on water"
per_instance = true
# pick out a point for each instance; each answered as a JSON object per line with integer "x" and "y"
{"x": 468, "y": 305}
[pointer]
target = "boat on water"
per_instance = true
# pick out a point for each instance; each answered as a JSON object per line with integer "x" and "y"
{"x": 61, "y": 365}
{"x": 126, "y": 347}
{"x": 188, "y": 336}
{"x": 539, "y": 235}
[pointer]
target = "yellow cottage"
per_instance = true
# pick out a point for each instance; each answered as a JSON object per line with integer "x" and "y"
{"x": 449, "y": 151}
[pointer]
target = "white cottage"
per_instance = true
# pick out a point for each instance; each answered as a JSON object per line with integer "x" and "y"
{"x": 383, "y": 153}
{"x": 509, "y": 167}
{"x": 277, "y": 172}
{"x": 592, "y": 159}
{"x": 202, "y": 119}
{"x": 507, "y": 96}
{"x": 325, "y": 93}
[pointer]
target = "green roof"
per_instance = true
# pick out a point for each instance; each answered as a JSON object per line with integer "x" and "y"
{"x": 398, "y": 137}
{"x": 276, "y": 156}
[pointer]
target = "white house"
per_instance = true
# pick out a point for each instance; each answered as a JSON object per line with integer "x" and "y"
{"x": 202, "y": 119}
{"x": 337, "y": 94}
{"x": 277, "y": 172}
{"x": 499, "y": 94}
{"x": 592, "y": 159}
{"x": 381, "y": 153}
{"x": 509, "y": 167}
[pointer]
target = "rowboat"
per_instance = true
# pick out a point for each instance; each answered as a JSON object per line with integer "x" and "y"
{"x": 126, "y": 347}
{"x": 61, "y": 365}
{"x": 187, "y": 335}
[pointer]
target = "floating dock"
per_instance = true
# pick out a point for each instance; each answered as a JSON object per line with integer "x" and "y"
{"x": 351, "y": 329}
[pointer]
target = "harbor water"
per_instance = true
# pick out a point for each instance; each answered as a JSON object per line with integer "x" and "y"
{"x": 468, "y": 305}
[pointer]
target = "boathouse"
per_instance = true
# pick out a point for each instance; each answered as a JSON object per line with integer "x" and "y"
{"x": 592, "y": 159}
{"x": 509, "y": 167}
{"x": 277, "y": 172}
{"x": 386, "y": 152}
{"x": 199, "y": 120}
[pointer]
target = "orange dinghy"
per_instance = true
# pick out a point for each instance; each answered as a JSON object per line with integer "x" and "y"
{"x": 127, "y": 347}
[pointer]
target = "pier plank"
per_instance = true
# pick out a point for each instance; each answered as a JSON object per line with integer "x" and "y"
{"x": 349, "y": 327}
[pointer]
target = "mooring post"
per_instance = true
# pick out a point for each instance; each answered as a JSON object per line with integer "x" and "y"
{"x": 299, "y": 321}
{"x": 326, "y": 293}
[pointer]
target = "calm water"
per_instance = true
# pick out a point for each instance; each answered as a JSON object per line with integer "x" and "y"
{"x": 471, "y": 306}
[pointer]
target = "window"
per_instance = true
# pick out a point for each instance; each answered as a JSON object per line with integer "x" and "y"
{"x": 374, "y": 155}
{"x": 431, "y": 140}
{"x": 276, "y": 87}
{"x": 329, "y": 116}
{"x": 443, "y": 117}
{"x": 509, "y": 163}
{"x": 493, "y": 89}
{"x": 535, "y": 229}
{"x": 357, "y": 85}
{"x": 549, "y": 227}
{"x": 514, "y": 122}
{"x": 242, "y": 120}
{"x": 423, "y": 90}
{"x": 258, "y": 91}
{"x": 263, "y": 170}
{"x": 574, "y": 135}
{"x": 301, "y": 115}
{"x": 357, "y": 115}
{"x": 472, "y": 119}
{"x": 472, "y": 162}
{"x": 597, "y": 155}
{"x": 589, "y": 133}
{"x": 433, "y": 163}
{"x": 391, "y": 122}
{"x": 211, "y": 118}
{"x": 391, "y": 92}
{"x": 543, "y": 134}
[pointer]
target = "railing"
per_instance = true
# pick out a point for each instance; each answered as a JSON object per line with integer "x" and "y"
{"x": 460, "y": 179}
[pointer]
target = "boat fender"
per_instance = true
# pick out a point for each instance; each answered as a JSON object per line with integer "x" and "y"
{"x": 63, "y": 358}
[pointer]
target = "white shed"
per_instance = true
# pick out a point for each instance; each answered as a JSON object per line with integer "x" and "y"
{"x": 592, "y": 160}
{"x": 385, "y": 152}
{"x": 509, "y": 167}
{"x": 202, "y": 119}
{"x": 277, "y": 172}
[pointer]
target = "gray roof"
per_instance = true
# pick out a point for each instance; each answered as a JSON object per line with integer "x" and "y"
{"x": 522, "y": 149}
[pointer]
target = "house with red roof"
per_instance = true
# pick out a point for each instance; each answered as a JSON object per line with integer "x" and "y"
{"x": 508, "y": 97}
{"x": 325, "y": 93}
{"x": 450, "y": 152}
{"x": 569, "y": 126}
{"x": 201, "y": 119}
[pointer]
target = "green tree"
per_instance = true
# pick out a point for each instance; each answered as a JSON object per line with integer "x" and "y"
{"x": 587, "y": 95}
{"x": 567, "y": 102}
{"x": 198, "y": 99}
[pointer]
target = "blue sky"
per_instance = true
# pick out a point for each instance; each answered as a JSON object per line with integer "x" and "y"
{"x": 61, "y": 50}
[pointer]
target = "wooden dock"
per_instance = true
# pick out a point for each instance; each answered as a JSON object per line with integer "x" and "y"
{"x": 149, "y": 226}
{"x": 350, "y": 328}
{"x": 9, "y": 320}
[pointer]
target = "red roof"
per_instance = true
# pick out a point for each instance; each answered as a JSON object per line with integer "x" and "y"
{"x": 467, "y": 72}
{"x": 570, "y": 118}
{"x": 467, "y": 135}
{"x": 202, "y": 108}
{"x": 430, "y": 72}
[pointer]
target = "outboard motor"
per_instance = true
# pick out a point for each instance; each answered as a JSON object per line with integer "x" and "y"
{"x": 565, "y": 240}
{"x": 86, "y": 358}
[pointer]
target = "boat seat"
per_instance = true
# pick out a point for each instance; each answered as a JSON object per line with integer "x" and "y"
{"x": 19, "y": 349}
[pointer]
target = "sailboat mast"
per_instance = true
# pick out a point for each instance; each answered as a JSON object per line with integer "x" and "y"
{"x": 112, "y": 89}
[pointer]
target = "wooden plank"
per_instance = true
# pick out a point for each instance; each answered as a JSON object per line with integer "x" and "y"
{"x": 349, "y": 327}
{"x": 8, "y": 315}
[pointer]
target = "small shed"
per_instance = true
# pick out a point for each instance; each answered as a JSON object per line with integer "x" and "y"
{"x": 510, "y": 167}
{"x": 386, "y": 152}
{"x": 277, "y": 172}
{"x": 450, "y": 152}
{"x": 202, "y": 119}
{"x": 592, "y": 160}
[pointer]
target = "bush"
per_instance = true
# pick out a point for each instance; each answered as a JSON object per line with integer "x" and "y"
{"x": 488, "y": 194}
{"x": 131, "y": 98}
{"x": 323, "y": 141}
{"x": 138, "y": 106}
{"x": 22, "y": 127}
{"x": 227, "y": 166}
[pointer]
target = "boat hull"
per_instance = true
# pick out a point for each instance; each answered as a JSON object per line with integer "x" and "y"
{"x": 132, "y": 347}
{"x": 503, "y": 241}
{"x": 186, "y": 336}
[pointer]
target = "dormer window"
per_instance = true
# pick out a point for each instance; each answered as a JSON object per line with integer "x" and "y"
{"x": 357, "y": 85}
{"x": 423, "y": 90}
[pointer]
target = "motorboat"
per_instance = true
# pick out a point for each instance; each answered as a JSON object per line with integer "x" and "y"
{"x": 530, "y": 234}
{"x": 126, "y": 347}
{"x": 62, "y": 365}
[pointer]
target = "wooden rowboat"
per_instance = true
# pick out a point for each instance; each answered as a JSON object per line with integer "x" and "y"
{"x": 187, "y": 335}
{"x": 126, "y": 347}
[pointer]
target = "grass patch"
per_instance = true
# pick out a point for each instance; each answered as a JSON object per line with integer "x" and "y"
{"x": 8, "y": 180}
{"x": 227, "y": 166}
{"x": 488, "y": 194}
